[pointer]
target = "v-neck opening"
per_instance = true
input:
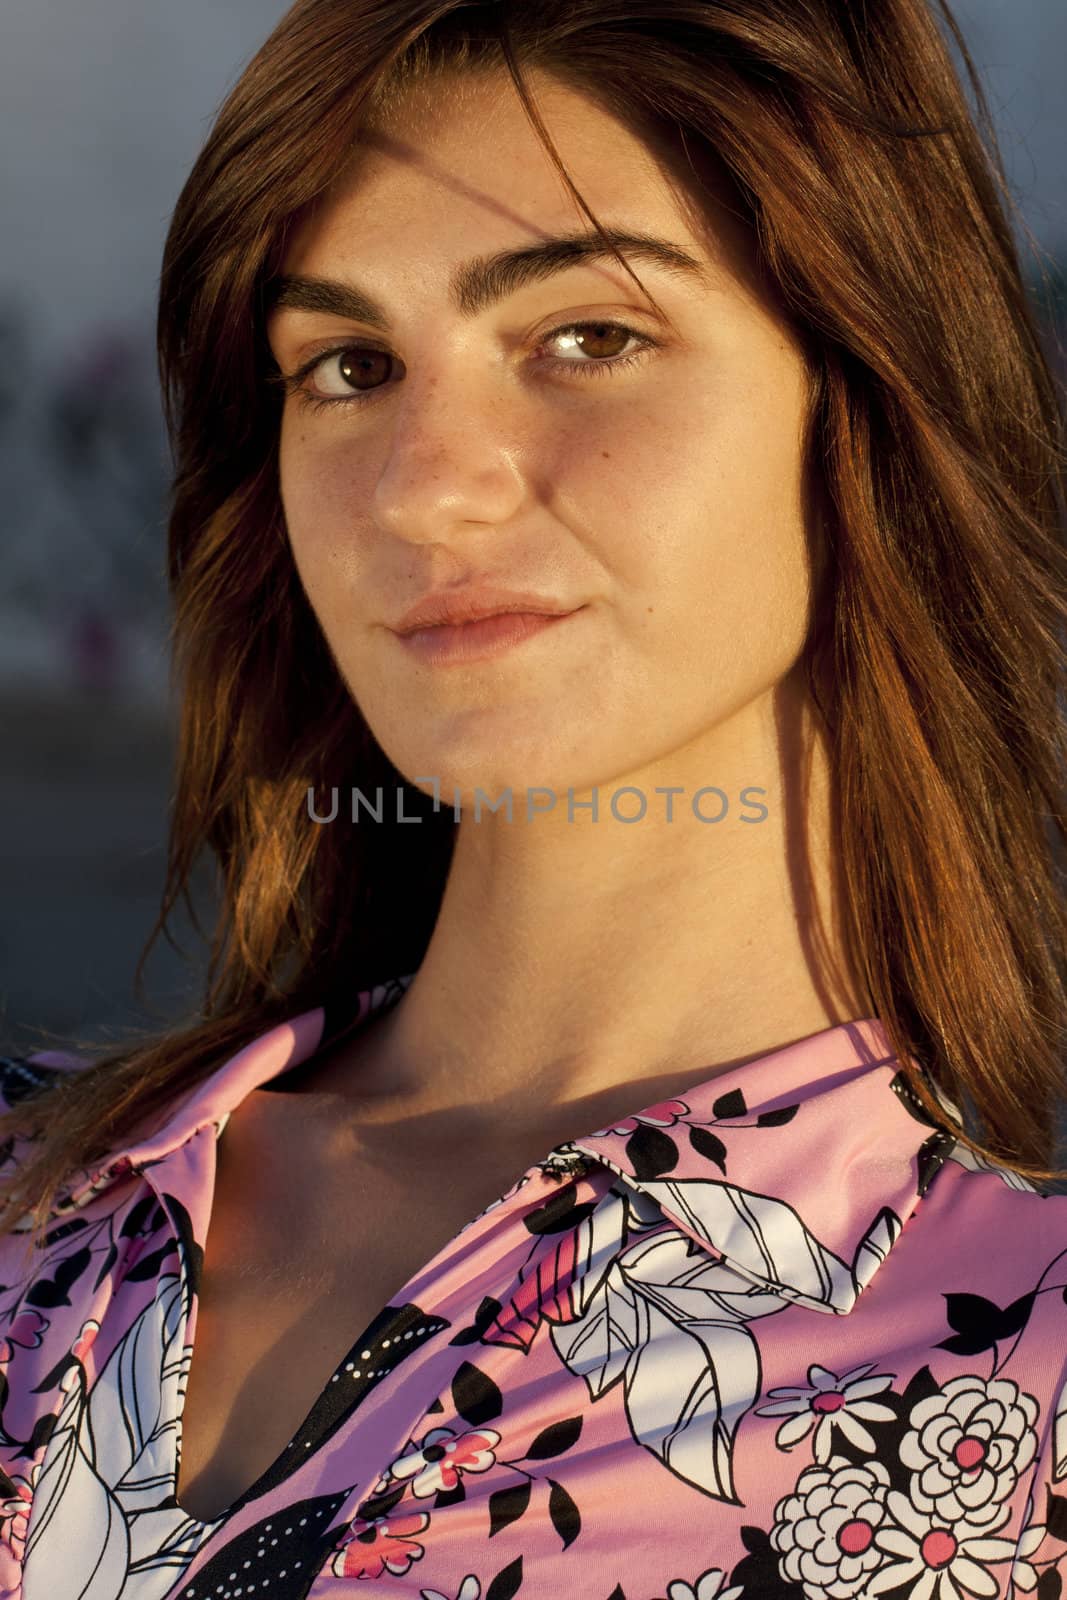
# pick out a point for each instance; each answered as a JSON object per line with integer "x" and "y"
{"x": 362, "y": 1361}
{"x": 399, "y": 1327}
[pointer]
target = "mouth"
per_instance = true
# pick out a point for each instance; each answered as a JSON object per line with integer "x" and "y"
{"x": 446, "y": 643}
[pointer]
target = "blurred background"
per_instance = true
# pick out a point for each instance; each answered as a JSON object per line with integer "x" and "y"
{"x": 103, "y": 107}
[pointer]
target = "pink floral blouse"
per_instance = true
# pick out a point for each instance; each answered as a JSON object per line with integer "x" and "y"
{"x": 776, "y": 1338}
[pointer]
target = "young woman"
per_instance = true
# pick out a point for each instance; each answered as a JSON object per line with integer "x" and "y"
{"x": 619, "y": 615}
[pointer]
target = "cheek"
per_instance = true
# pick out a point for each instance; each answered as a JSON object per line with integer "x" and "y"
{"x": 693, "y": 503}
{"x": 320, "y": 494}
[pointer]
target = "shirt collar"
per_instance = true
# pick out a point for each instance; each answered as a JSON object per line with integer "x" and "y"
{"x": 211, "y": 1101}
{"x": 798, "y": 1168}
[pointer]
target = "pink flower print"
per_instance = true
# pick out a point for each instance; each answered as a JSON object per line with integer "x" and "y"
{"x": 825, "y": 1531}
{"x": 80, "y": 1349}
{"x": 544, "y": 1290}
{"x": 385, "y": 1544}
{"x": 968, "y": 1445}
{"x": 709, "y": 1586}
{"x": 25, "y": 1331}
{"x": 662, "y": 1115}
{"x": 84, "y": 1342}
{"x": 14, "y": 1520}
{"x": 940, "y": 1563}
{"x": 828, "y": 1403}
{"x": 436, "y": 1463}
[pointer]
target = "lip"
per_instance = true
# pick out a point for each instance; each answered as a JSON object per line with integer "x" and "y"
{"x": 470, "y": 604}
{"x": 487, "y": 636}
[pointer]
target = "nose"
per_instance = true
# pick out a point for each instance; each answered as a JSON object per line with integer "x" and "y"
{"x": 451, "y": 461}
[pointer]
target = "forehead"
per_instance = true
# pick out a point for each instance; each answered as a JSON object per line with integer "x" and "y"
{"x": 455, "y": 169}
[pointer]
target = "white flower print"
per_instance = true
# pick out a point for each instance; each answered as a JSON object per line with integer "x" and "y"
{"x": 825, "y": 1530}
{"x": 828, "y": 1403}
{"x": 940, "y": 1563}
{"x": 469, "y": 1589}
{"x": 435, "y": 1465}
{"x": 1023, "y": 1575}
{"x": 967, "y": 1446}
{"x": 709, "y": 1586}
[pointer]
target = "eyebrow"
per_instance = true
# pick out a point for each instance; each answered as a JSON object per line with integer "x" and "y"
{"x": 482, "y": 282}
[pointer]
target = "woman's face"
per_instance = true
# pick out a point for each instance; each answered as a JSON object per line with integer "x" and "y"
{"x": 659, "y": 500}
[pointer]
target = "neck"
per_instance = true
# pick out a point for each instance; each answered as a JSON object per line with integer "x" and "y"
{"x": 591, "y": 962}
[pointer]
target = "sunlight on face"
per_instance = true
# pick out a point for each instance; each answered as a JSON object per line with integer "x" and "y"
{"x": 658, "y": 497}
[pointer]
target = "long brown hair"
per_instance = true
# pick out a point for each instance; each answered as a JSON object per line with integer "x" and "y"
{"x": 879, "y": 209}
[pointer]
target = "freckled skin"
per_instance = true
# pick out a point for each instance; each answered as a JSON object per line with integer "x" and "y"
{"x": 667, "y": 500}
{"x": 476, "y": 462}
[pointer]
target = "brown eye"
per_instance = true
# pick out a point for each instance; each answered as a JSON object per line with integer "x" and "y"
{"x": 593, "y": 349}
{"x": 592, "y": 337}
{"x": 361, "y": 365}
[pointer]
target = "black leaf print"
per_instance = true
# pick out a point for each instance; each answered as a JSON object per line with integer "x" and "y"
{"x": 616, "y": 1593}
{"x": 475, "y": 1396}
{"x": 709, "y": 1145}
{"x": 109, "y": 1262}
{"x": 559, "y": 1213}
{"x": 553, "y": 1440}
{"x": 507, "y": 1506}
{"x": 192, "y": 1253}
{"x": 51, "y": 1379}
{"x": 980, "y": 1324}
{"x": 63, "y": 1231}
{"x": 148, "y": 1266}
{"x": 449, "y": 1497}
{"x": 731, "y": 1104}
{"x": 51, "y": 1292}
{"x": 288, "y": 1547}
{"x": 437, "y": 1406}
{"x": 776, "y": 1119}
{"x": 485, "y": 1315}
{"x": 920, "y": 1386}
{"x": 651, "y": 1152}
{"x": 758, "y": 1573}
{"x": 138, "y": 1216}
{"x": 1049, "y": 1585}
{"x": 755, "y": 1540}
{"x": 1056, "y": 1515}
{"x": 380, "y": 1505}
{"x": 930, "y": 1158}
{"x": 902, "y": 1088}
{"x": 7, "y": 1488}
{"x": 564, "y": 1514}
{"x": 43, "y": 1430}
{"x": 507, "y": 1581}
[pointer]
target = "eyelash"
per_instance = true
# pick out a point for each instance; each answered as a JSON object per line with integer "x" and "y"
{"x": 294, "y": 384}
